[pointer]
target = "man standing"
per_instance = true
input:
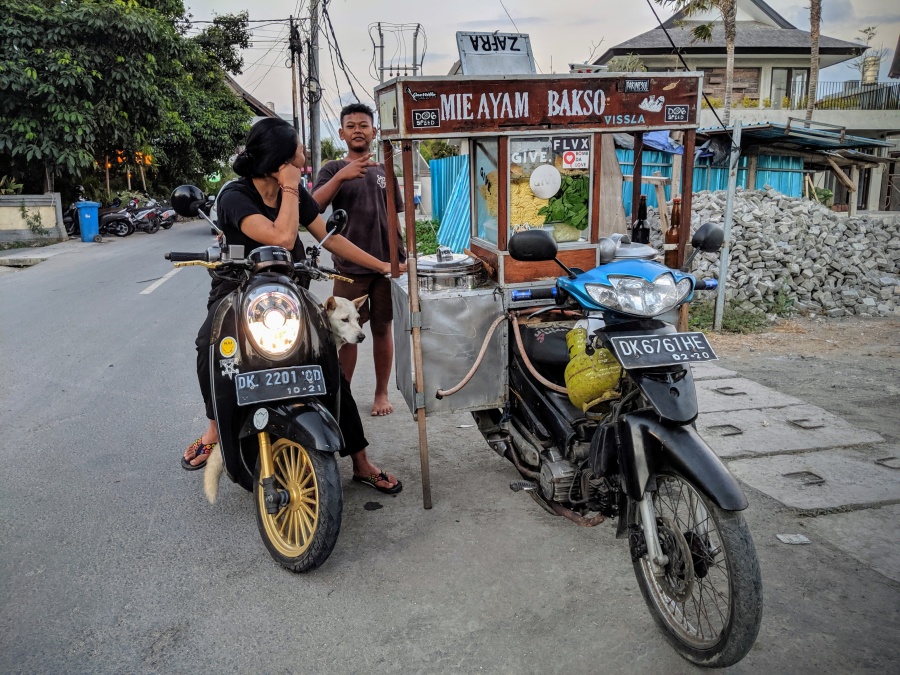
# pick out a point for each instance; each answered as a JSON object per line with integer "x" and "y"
{"x": 359, "y": 186}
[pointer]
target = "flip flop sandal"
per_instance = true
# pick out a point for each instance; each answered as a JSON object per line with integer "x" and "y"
{"x": 199, "y": 448}
{"x": 372, "y": 481}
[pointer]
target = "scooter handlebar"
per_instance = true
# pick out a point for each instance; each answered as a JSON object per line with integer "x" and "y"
{"x": 706, "y": 284}
{"x": 177, "y": 256}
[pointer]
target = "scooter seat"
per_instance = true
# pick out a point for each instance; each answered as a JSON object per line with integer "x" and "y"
{"x": 545, "y": 343}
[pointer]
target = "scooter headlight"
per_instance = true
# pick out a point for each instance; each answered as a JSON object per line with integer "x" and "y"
{"x": 639, "y": 297}
{"x": 273, "y": 320}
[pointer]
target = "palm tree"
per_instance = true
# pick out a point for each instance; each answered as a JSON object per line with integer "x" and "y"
{"x": 703, "y": 32}
{"x": 815, "y": 18}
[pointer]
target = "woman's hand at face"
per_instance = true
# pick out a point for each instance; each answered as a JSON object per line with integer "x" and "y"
{"x": 289, "y": 174}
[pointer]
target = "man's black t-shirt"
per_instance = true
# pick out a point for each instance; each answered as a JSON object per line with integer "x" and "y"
{"x": 240, "y": 199}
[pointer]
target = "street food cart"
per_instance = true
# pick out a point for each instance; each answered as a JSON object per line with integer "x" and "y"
{"x": 535, "y": 146}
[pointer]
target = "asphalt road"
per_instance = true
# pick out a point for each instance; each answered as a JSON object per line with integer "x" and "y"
{"x": 111, "y": 560}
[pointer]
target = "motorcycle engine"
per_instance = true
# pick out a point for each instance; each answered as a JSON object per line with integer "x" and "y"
{"x": 557, "y": 478}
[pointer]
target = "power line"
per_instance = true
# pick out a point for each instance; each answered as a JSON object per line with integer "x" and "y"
{"x": 684, "y": 63}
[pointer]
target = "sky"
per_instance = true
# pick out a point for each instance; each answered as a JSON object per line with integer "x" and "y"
{"x": 561, "y": 32}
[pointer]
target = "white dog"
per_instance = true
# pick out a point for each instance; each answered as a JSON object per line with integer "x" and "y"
{"x": 343, "y": 317}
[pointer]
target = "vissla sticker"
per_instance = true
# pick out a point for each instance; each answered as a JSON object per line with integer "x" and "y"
{"x": 261, "y": 418}
{"x": 227, "y": 347}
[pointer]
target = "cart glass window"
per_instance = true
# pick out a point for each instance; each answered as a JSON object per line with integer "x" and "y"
{"x": 488, "y": 185}
{"x": 549, "y": 185}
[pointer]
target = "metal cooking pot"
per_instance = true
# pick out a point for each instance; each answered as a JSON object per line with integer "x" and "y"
{"x": 447, "y": 270}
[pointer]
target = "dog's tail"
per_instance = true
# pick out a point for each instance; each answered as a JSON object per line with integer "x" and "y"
{"x": 212, "y": 473}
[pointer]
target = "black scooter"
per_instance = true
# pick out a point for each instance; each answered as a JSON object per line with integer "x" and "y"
{"x": 275, "y": 382}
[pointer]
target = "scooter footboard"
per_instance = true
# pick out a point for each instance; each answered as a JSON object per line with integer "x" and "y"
{"x": 310, "y": 424}
{"x": 646, "y": 445}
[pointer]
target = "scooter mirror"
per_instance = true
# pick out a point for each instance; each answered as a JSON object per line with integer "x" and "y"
{"x": 187, "y": 200}
{"x": 708, "y": 238}
{"x": 532, "y": 245}
{"x": 337, "y": 222}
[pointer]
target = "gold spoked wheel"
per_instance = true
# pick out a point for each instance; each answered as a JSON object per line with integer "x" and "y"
{"x": 301, "y": 534}
{"x": 292, "y": 529}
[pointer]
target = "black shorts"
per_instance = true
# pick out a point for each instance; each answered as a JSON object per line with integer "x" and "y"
{"x": 377, "y": 308}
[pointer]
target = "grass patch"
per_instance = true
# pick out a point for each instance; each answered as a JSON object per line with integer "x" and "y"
{"x": 734, "y": 320}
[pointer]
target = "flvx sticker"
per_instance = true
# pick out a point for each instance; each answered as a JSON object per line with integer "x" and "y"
{"x": 677, "y": 113}
{"x": 426, "y": 119}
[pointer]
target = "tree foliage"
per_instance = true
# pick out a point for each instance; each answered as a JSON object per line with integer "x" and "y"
{"x": 436, "y": 148}
{"x": 702, "y": 32}
{"x": 82, "y": 79}
{"x": 331, "y": 151}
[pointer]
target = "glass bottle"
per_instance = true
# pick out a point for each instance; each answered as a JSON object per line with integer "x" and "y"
{"x": 673, "y": 234}
{"x": 640, "y": 231}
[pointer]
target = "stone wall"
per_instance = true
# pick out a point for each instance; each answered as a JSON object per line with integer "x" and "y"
{"x": 14, "y": 227}
{"x": 786, "y": 248}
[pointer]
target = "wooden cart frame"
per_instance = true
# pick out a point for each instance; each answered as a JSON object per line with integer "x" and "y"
{"x": 417, "y": 108}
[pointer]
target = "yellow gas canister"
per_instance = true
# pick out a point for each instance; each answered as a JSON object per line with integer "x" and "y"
{"x": 590, "y": 379}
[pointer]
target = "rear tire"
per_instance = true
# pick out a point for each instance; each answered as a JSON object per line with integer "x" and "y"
{"x": 122, "y": 228}
{"x": 709, "y": 602}
{"x": 302, "y": 534}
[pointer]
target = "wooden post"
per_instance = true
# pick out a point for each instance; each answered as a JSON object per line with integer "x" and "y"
{"x": 661, "y": 203}
{"x": 393, "y": 220}
{"x": 687, "y": 193}
{"x": 503, "y": 194}
{"x": 854, "y": 194}
{"x": 595, "y": 204}
{"x": 752, "y": 162}
{"x": 676, "y": 175}
{"x": 415, "y": 311}
{"x": 636, "y": 172}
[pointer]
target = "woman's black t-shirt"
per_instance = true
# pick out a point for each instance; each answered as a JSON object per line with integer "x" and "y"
{"x": 240, "y": 199}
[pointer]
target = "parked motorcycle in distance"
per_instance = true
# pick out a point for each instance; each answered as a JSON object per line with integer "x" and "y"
{"x": 118, "y": 223}
{"x": 275, "y": 378}
{"x": 600, "y": 424}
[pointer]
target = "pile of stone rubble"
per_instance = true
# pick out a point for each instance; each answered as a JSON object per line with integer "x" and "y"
{"x": 791, "y": 251}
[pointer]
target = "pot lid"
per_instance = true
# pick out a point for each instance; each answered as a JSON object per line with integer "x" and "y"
{"x": 443, "y": 261}
{"x": 632, "y": 250}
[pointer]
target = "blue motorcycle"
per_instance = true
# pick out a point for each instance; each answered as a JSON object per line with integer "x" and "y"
{"x": 600, "y": 424}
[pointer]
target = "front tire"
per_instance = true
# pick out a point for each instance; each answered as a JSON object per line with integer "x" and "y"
{"x": 709, "y": 601}
{"x": 302, "y": 534}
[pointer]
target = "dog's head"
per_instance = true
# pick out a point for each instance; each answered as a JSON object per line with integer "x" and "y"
{"x": 343, "y": 316}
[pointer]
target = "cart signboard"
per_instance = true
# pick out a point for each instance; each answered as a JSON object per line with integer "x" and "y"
{"x": 479, "y": 106}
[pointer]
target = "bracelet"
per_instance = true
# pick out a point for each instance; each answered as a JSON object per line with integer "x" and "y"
{"x": 290, "y": 190}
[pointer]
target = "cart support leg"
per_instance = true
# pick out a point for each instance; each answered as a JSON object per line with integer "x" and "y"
{"x": 410, "y": 218}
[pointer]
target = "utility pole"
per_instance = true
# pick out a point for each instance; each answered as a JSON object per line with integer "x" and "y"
{"x": 293, "y": 43}
{"x": 296, "y": 45}
{"x": 315, "y": 93}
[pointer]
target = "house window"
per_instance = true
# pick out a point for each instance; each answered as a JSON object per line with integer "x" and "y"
{"x": 789, "y": 87}
{"x": 745, "y": 84}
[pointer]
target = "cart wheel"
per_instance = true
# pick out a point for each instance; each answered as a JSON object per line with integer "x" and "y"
{"x": 98, "y": 238}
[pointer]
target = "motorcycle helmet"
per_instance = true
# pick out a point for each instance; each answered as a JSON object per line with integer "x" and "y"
{"x": 186, "y": 199}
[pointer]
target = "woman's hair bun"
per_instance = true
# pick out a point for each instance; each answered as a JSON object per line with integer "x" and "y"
{"x": 243, "y": 164}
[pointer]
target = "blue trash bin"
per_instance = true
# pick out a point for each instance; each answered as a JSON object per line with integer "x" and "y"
{"x": 89, "y": 220}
